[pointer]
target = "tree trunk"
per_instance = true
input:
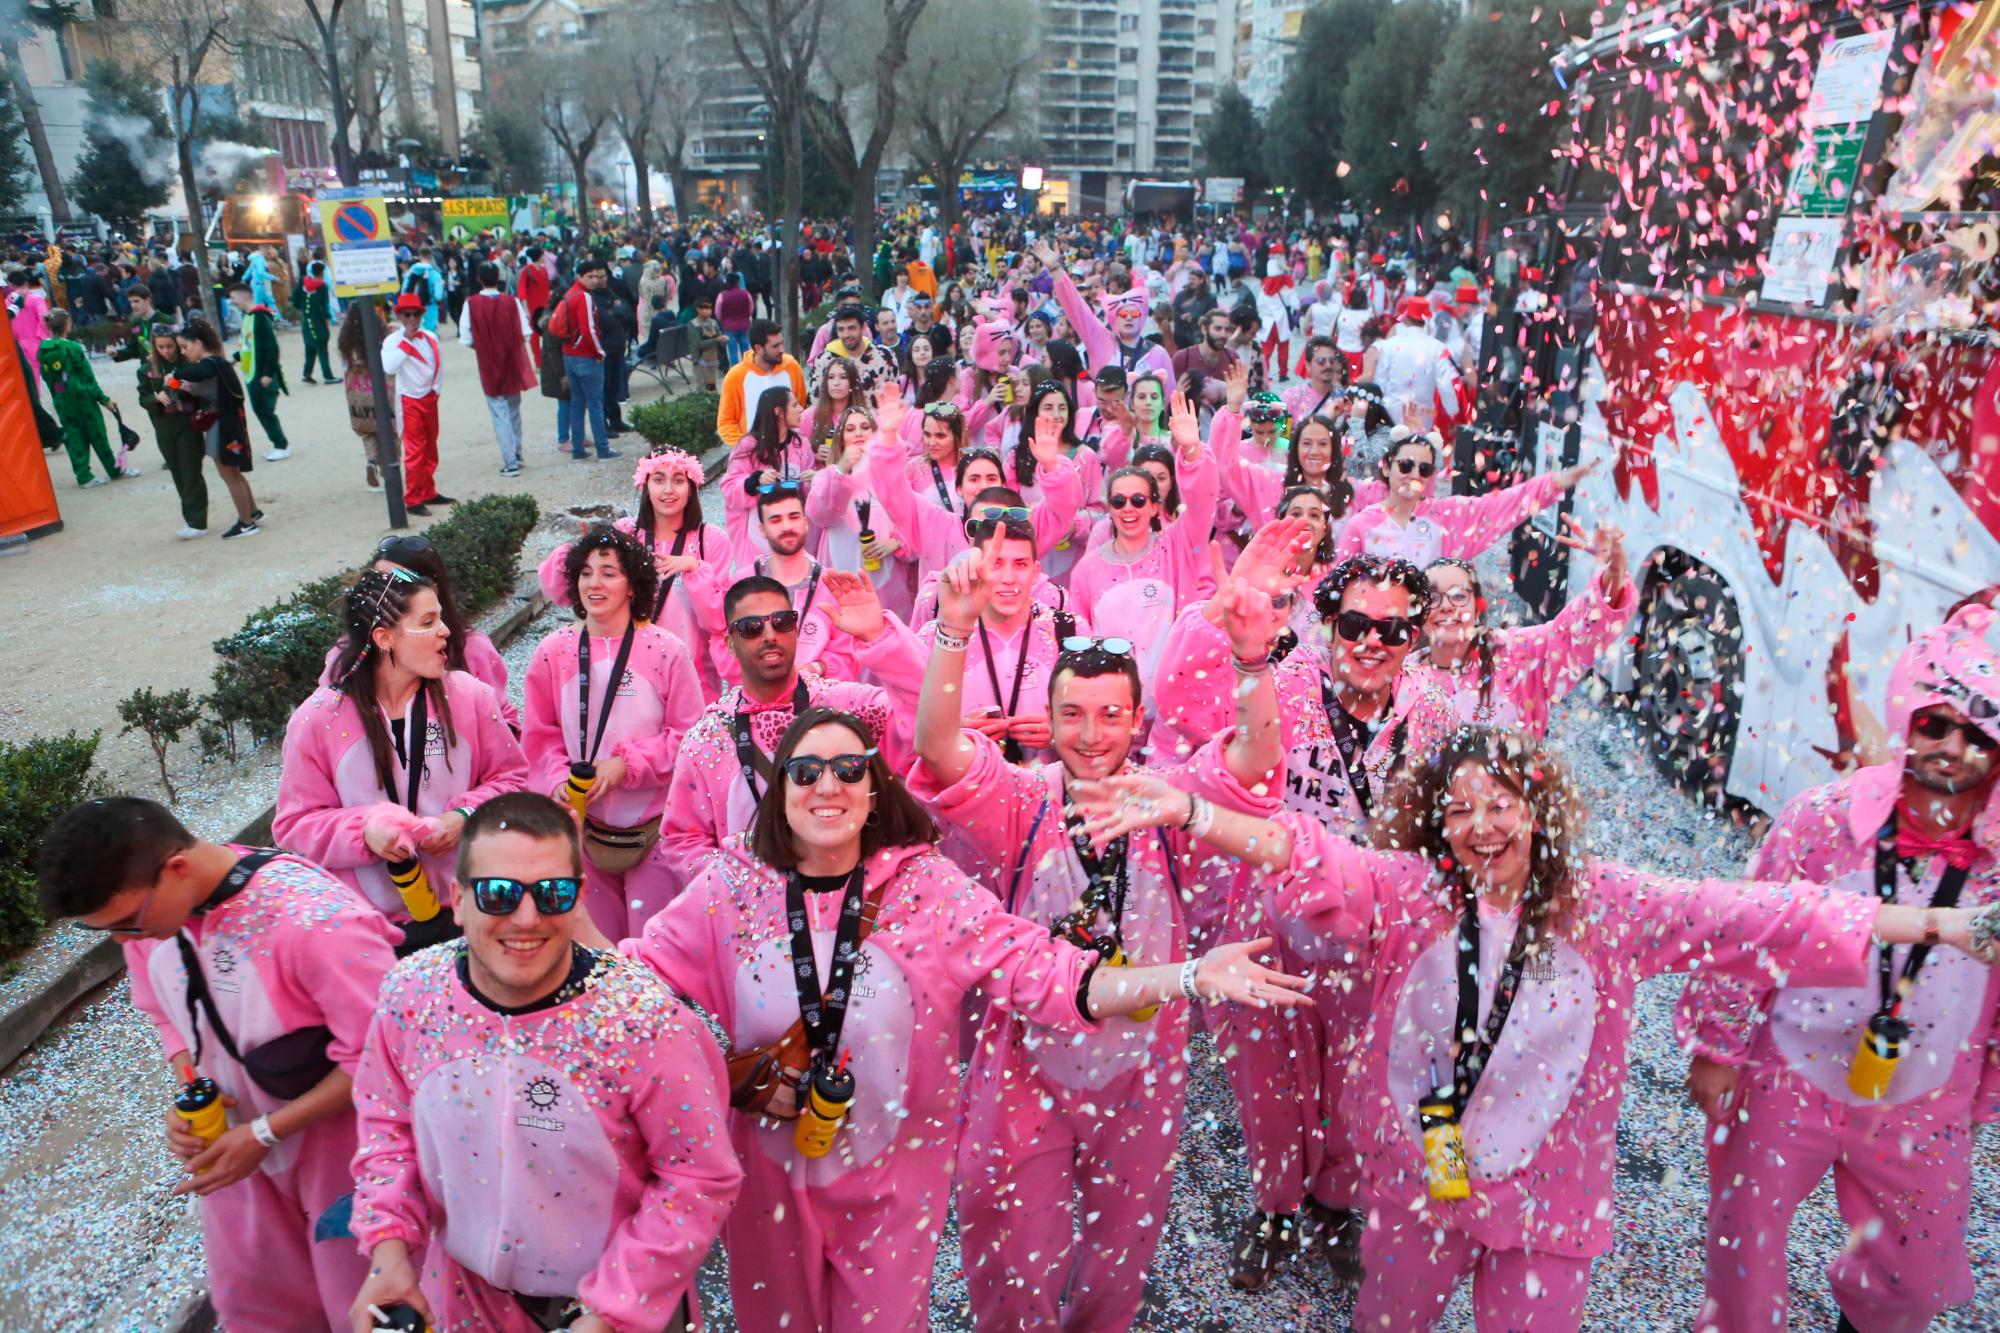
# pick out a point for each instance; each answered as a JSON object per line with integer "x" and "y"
{"x": 794, "y": 192}
{"x": 861, "y": 210}
{"x": 683, "y": 188}
{"x": 580, "y": 164}
{"x": 645, "y": 175}
{"x": 198, "y": 221}
{"x": 944, "y": 175}
{"x": 343, "y": 109}
{"x": 38, "y": 134}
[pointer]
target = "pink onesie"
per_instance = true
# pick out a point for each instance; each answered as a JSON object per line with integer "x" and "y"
{"x": 836, "y": 508}
{"x": 708, "y": 544}
{"x": 658, "y": 699}
{"x": 1539, "y": 1131}
{"x": 1062, "y": 558}
{"x": 739, "y": 502}
{"x": 1100, "y": 345}
{"x": 1050, "y": 1116}
{"x": 937, "y": 535}
{"x": 328, "y": 789}
{"x": 1256, "y": 487}
{"x": 820, "y": 642}
{"x": 847, "y": 1242}
{"x": 580, "y": 1149}
{"x": 482, "y": 660}
{"x": 1456, "y": 525}
{"x": 295, "y": 949}
{"x": 1902, "y": 1166}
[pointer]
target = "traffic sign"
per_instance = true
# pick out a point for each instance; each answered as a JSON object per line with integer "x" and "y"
{"x": 360, "y": 247}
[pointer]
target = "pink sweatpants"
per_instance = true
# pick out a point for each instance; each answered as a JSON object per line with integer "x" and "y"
{"x": 462, "y": 1300}
{"x": 1414, "y": 1267}
{"x": 257, "y": 1236}
{"x": 1030, "y": 1149}
{"x": 621, "y": 902}
{"x": 1901, "y": 1176}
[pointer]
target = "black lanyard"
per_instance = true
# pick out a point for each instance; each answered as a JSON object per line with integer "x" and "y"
{"x": 1010, "y": 747}
{"x": 586, "y": 745}
{"x": 1108, "y": 872}
{"x": 1469, "y": 1057}
{"x": 416, "y": 743}
{"x": 667, "y": 583}
{"x": 1352, "y": 739}
{"x": 748, "y": 757}
{"x": 812, "y": 583}
{"x": 1949, "y": 887}
{"x": 824, "y": 1014}
{"x": 198, "y": 996}
{"x": 944, "y": 495}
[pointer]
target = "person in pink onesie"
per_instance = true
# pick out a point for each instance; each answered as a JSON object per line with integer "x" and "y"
{"x": 1255, "y": 484}
{"x": 1046, "y": 417}
{"x": 1049, "y": 1117}
{"x": 625, "y": 724}
{"x": 841, "y": 507}
{"x": 356, "y": 794}
{"x": 543, "y": 1121}
{"x": 286, "y": 962}
{"x": 28, "y": 310}
{"x": 1483, "y": 914}
{"x": 835, "y": 931}
{"x": 1416, "y": 526}
{"x": 1513, "y": 677}
{"x": 1117, "y": 338}
{"x": 711, "y": 795}
{"x": 684, "y": 548}
{"x": 1771, "y": 1063}
{"x": 1133, "y": 585}
{"x": 935, "y": 437}
{"x": 1348, "y": 730}
{"x": 774, "y": 451}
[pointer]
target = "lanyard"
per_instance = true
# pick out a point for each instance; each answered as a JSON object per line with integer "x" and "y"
{"x": 1469, "y": 1057}
{"x": 748, "y": 757}
{"x": 944, "y": 495}
{"x": 812, "y": 584}
{"x": 1350, "y": 738}
{"x": 1109, "y": 875}
{"x": 1011, "y": 747}
{"x": 198, "y": 996}
{"x": 824, "y": 1014}
{"x": 667, "y": 583}
{"x": 1946, "y": 895}
{"x": 587, "y": 747}
{"x": 416, "y": 743}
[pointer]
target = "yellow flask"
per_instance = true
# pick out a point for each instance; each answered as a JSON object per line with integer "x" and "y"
{"x": 199, "y": 1102}
{"x": 1875, "y": 1059}
{"x": 582, "y": 777}
{"x": 1444, "y": 1151}
{"x": 829, "y": 1094}
{"x": 415, "y": 886}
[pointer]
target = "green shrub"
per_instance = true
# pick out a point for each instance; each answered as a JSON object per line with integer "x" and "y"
{"x": 686, "y": 423}
{"x": 272, "y": 665}
{"x": 38, "y": 781}
{"x": 163, "y": 719}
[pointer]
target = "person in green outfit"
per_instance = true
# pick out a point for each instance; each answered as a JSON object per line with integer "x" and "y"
{"x": 79, "y": 403}
{"x": 261, "y": 368}
{"x": 149, "y": 339}
{"x": 314, "y": 301}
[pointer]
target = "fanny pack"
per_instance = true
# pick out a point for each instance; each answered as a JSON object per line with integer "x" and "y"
{"x": 619, "y": 848}
{"x": 551, "y": 1313}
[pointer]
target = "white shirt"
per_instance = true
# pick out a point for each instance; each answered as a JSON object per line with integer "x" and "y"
{"x": 1413, "y": 369}
{"x": 416, "y": 361}
{"x": 465, "y": 325}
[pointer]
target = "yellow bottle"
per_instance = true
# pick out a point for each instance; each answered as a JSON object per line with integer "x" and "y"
{"x": 829, "y": 1094}
{"x": 869, "y": 562}
{"x": 199, "y": 1102}
{"x": 1444, "y": 1150}
{"x": 1876, "y": 1058}
{"x": 415, "y": 886}
{"x": 582, "y": 777}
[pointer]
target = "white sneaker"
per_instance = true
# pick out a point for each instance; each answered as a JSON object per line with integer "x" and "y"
{"x": 277, "y": 455}
{"x": 189, "y": 534}
{"x": 95, "y": 482}
{"x": 128, "y": 471}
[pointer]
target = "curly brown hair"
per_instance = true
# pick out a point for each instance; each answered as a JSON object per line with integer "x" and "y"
{"x": 633, "y": 558}
{"x": 1411, "y": 819}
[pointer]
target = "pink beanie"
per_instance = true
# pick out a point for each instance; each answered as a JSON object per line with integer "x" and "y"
{"x": 1956, "y": 663}
{"x": 987, "y": 339}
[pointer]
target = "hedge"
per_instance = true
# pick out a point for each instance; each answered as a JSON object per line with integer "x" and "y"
{"x": 686, "y": 423}
{"x": 273, "y": 664}
{"x": 38, "y": 781}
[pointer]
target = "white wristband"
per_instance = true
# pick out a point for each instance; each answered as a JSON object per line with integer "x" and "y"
{"x": 1188, "y": 970}
{"x": 1201, "y": 818}
{"x": 260, "y": 1130}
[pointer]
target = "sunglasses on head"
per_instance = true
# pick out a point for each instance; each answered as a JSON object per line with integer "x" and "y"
{"x": 787, "y": 487}
{"x": 1084, "y": 643}
{"x": 1936, "y": 727}
{"x": 498, "y": 896}
{"x": 1003, "y": 514}
{"x": 805, "y": 770}
{"x": 1354, "y": 626}
{"x": 752, "y": 627}
{"x": 1133, "y": 501}
{"x": 1408, "y": 465}
{"x": 402, "y": 550}
{"x": 941, "y": 409}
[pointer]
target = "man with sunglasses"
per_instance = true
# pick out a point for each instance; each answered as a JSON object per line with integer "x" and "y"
{"x": 259, "y": 970}
{"x": 543, "y": 1120}
{"x": 1774, "y": 1065}
{"x": 1320, "y": 395}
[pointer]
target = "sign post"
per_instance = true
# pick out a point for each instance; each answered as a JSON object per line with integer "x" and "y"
{"x": 361, "y": 252}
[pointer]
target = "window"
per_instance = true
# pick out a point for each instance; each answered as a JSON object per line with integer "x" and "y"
{"x": 541, "y": 34}
{"x": 1124, "y": 152}
{"x": 1128, "y": 87}
{"x": 571, "y": 30}
{"x": 1128, "y": 55}
{"x": 1205, "y": 27}
{"x": 1128, "y": 23}
{"x": 1204, "y": 59}
{"x": 1127, "y": 119}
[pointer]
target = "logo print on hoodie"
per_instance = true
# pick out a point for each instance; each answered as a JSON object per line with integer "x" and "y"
{"x": 541, "y": 1093}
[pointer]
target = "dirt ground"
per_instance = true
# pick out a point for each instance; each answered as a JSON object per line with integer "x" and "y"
{"x": 115, "y": 601}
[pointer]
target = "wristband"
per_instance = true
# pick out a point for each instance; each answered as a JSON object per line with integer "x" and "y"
{"x": 1188, "y": 970}
{"x": 1256, "y": 668}
{"x": 1201, "y": 817}
{"x": 260, "y": 1130}
{"x": 950, "y": 641}
{"x": 462, "y": 811}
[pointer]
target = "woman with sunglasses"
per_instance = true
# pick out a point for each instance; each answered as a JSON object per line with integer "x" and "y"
{"x": 855, "y": 532}
{"x": 382, "y": 766}
{"x": 1478, "y": 908}
{"x": 1412, "y": 524}
{"x": 835, "y": 947}
{"x": 1133, "y": 585}
{"x": 773, "y": 452}
{"x": 934, "y": 465}
{"x": 607, "y": 703}
{"x": 1512, "y": 677}
{"x": 466, "y": 649}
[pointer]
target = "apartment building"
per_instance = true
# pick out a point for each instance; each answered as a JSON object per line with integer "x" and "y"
{"x": 1266, "y": 36}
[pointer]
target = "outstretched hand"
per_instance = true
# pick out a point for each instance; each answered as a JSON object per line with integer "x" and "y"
{"x": 1606, "y": 546}
{"x": 965, "y": 586}
{"x": 1184, "y": 426}
{"x": 1125, "y": 803}
{"x": 856, "y": 608}
{"x": 1238, "y": 380}
{"x": 1231, "y": 972}
{"x": 890, "y": 409}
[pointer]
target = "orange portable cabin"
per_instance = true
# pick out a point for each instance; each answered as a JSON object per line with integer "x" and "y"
{"x": 27, "y": 497}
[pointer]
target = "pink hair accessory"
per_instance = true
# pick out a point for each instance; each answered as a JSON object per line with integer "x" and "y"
{"x": 1132, "y": 302}
{"x": 671, "y": 461}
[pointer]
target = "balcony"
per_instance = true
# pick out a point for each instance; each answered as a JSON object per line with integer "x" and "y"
{"x": 1175, "y": 99}
{"x": 1172, "y": 68}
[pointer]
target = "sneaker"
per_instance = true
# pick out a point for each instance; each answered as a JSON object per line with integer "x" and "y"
{"x": 421, "y": 511}
{"x": 256, "y": 516}
{"x": 609, "y": 453}
{"x": 1334, "y": 1233}
{"x": 580, "y": 458}
{"x": 241, "y": 528}
{"x": 310, "y": 380}
{"x": 128, "y": 471}
{"x": 1262, "y": 1245}
{"x": 441, "y": 500}
{"x": 93, "y": 482}
{"x": 511, "y": 470}
{"x": 189, "y": 534}
{"x": 277, "y": 455}
{"x": 374, "y": 479}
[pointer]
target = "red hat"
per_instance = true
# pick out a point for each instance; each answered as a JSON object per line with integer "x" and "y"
{"x": 1415, "y": 309}
{"x": 1377, "y": 258}
{"x": 411, "y": 303}
{"x": 1467, "y": 293}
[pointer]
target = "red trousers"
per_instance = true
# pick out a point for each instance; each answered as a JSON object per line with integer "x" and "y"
{"x": 420, "y": 449}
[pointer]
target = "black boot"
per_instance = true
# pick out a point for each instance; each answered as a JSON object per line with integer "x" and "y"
{"x": 1262, "y": 1245}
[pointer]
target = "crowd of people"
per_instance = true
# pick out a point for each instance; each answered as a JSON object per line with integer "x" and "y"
{"x": 1048, "y": 687}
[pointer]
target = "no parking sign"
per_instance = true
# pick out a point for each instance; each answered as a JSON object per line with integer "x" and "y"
{"x": 360, "y": 248}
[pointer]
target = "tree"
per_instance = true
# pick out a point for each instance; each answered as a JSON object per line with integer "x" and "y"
{"x": 513, "y": 142}
{"x": 1380, "y": 141}
{"x": 14, "y": 166}
{"x": 969, "y": 60}
{"x": 1233, "y": 142}
{"x": 1307, "y": 117}
{"x": 568, "y": 93}
{"x": 124, "y": 172}
{"x": 1493, "y": 113}
{"x": 342, "y": 47}
{"x": 19, "y": 22}
{"x": 650, "y": 66}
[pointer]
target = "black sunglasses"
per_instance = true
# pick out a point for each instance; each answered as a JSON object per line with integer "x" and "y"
{"x": 402, "y": 550}
{"x": 1354, "y": 626}
{"x": 1408, "y": 465}
{"x": 805, "y": 770}
{"x": 496, "y": 896}
{"x": 1122, "y": 501}
{"x": 1936, "y": 726}
{"x": 752, "y": 627}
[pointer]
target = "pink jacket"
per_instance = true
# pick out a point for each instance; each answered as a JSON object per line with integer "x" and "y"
{"x": 1255, "y": 488}
{"x": 937, "y": 534}
{"x": 1533, "y": 666}
{"x": 581, "y": 1150}
{"x": 1456, "y": 525}
{"x": 708, "y": 544}
{"x": 482, "y": 660}
{"x": 834, "y": 508}
{"x": 820, "y": 640}
{"x": 328, "y": 790}
{"x": 1032, "y": 655}
{"x": 1100, "y": 345}
{"x": 1058, "y": 563}
{"x": 1827, "y": 835}
{"x": 658, "y": 700}
{"x": 739, "y": 501}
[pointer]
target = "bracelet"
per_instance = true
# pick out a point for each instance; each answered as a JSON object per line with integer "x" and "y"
{"x": 1194, "y": 809}
{"x": 1201, "y": 817}
{"x": 1931, "y": 937}
{"x": 1256, "y": 668}
{"x": 1188, "y": 970}
{"x": 462, "y": 811}
{"x": 950, "y": 641}
{"x": 260, "y": 1130}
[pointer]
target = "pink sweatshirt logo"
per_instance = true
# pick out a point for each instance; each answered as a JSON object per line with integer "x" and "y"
{"x": 541, "y": 1094}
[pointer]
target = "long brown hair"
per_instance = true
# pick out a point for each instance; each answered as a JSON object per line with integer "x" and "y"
{"x": 897, "y": 820}
{"x": 1339, "y": 491}
{"x": 1482, "y": 641}
{"x": 823, "y": 422}
{"x": 1411, "y": 819}
{"x": 378, "y": 599}
{"x": 414, "y": 552}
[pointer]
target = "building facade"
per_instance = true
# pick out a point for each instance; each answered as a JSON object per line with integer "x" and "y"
{"x": 1266, "y": 35}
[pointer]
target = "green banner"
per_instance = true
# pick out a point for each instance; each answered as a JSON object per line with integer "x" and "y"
{"x": 1822, "y": 184}
{"x": 466, "y": 218}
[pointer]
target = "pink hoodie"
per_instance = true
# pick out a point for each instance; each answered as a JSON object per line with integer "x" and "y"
{"x": 835, "y": 507}
{"x": 939, "y": 535}
{"x": 577, "y": 1150}
{"x": 1062, "y": 558}
{"x": 1255, "y": 487}
{"x": 482, "y": 660}
{"x": 739, "y": 501}
{"x": 820, "y": 640}
{"x": 328, "y": 789}
{"x": 1456, "y": 525}
{"x": 707, "y": 543}
{"x": 1100, "y": 345}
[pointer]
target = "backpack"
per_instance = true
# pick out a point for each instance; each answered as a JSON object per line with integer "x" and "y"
{"x": 560, "y": 325}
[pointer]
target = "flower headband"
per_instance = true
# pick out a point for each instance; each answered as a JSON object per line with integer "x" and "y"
{"x": 672, "y": 462}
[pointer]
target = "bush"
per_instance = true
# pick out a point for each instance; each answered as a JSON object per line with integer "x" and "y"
{"x": 38, "y": 781}
{"x": 273, "y": 664}
{"x": 686, "y": 423}
{"x": 163, "y": 719}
